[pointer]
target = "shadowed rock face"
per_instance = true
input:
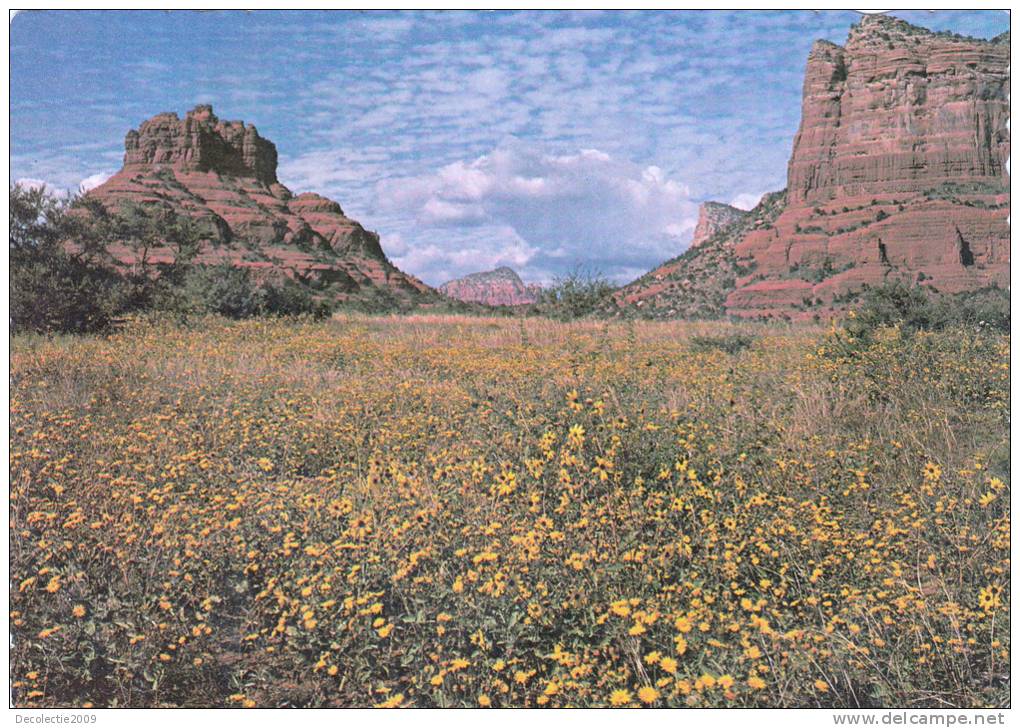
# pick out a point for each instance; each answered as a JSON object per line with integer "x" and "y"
{"x": 200, "y": 143}
{"x": 897, "y": 173}
{"x": 499, "y": 287}
{"x": 223, "y": 174}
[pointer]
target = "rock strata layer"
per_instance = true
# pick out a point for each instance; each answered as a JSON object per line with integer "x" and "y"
{"x": 898, "y": 172}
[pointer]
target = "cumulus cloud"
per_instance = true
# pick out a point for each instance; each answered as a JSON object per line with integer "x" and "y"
{"x": 746, "y": 200}
{"x": 522, "y": 206}
{"x": 90, "y": 182}
{"x": 30, "y": 183}
{"x": 93, "y": 181}
{"x": 454, "y": 253}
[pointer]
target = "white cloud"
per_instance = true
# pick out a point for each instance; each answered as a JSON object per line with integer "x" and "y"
{"x": 746, "y": 200}
{"x": 521, "y": 206}
{"x": 30, "y": 183}
{"x": 85, "y": 185}
{"x": 460, "y": 252}
{"x": 93, "y": 181}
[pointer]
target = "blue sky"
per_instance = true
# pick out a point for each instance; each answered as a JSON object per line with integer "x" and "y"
{"x": 468, "y": 140}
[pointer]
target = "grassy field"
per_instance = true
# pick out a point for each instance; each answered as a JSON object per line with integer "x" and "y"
{"x": 432, "y": 511}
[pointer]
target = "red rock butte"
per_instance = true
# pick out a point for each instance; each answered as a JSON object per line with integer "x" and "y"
{"x": 712, "y": 218}
{"x": 898, "y": 172}
{"x": 222, "y": 174}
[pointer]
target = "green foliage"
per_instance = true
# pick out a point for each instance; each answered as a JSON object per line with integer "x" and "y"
{"x": 730, "y": 343}
{"x": 229, "y": 291}
{"x": 915, "y": 308}
{"x": 53, "y": 289}
{"x": 291, "y": 299}
{"x": 576, "y": 295}
{"x": 144, "y": 228}
{"x": 223, "y": 289}
{"x": 985, "y": 309}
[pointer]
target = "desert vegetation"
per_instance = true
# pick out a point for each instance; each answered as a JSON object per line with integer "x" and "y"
{"x": 457, "y": 511}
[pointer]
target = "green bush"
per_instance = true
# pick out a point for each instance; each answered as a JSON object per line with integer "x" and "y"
{"x": 893, "y": 304}
{"x": 916, "y": 308}
{"x": 578, "y": 294}
{"x": 292, "y": 299}
{"x": 730, "y": 343}
{"x": 53, "y": 289}
{"x": 223, "y": 289}
{"x": 987, "y": 308}
{"x": 231, "y": 292}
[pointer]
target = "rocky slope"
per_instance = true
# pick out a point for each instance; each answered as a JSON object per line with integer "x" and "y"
{"x": 897, "y": 172}
{"x": 499, "y": 287}
{"x": 223, "y": 175}
{"x": 695, "y": 285}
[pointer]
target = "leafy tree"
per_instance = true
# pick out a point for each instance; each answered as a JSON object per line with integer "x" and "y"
{"x": 144, "y": 229}
{"x": 55, "y": 287}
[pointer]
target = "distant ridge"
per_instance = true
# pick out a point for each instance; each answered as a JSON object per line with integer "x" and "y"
{"x": 499, "y": 287}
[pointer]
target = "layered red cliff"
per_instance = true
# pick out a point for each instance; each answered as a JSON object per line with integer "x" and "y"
{"x": 897, "y": 172}
{"x": 223, "y": 175}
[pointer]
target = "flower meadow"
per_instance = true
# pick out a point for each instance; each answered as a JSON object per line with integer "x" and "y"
{"x": 450, "y": 511}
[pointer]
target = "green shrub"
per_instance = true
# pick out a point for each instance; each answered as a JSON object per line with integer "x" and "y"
{"x": 578, "y": 294}
{"x": 729, "y": 343}
{"x": 293, "y": 299}
{"x": 59, "y": 293}
{"x": 225, "y": 290}
{"x": 987, "y": 309}
{"x": 893, "y": 304}
{"x": 52, "y": 289}
{"x": 232, "y": 292}
{"x": 917, "y": 308}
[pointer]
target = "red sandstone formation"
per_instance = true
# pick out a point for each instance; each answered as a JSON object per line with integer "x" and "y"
{"x": 713, "y": 217}
{"x": 223, "y": 175}
{"x": 897, "y": 172}
{"x": 500, "y": 287}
